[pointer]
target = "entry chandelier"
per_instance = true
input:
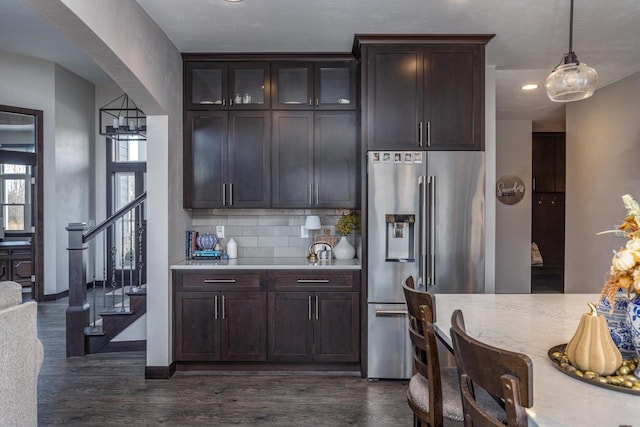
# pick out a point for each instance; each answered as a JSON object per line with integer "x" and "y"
{"x": 571, "y": 80}
{"x": 121, "y": 119}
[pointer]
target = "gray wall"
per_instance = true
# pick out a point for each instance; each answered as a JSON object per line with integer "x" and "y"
{"x": 603, "y": 150}
{"x": 122, "y": 39}
{"x": 74, "y": 165}
{"x": 513, "y": 222}
{"x": 67, "y": 104}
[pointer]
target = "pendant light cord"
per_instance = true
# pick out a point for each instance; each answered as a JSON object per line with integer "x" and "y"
{"x": 571, "y": 28}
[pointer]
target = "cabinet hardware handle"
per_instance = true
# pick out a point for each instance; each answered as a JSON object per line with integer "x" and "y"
{"x": 223, "y": 313}
{"x": 428, "y": 134}
{"x": 230, "y": 102}
{"x": 310, "y": 195}
{"x": 215, "y": 307}
{"x": 317, "y": 307}
{"x": 420, "y": 134}
{"x": 224, "y": 194}
{"x": 534, "y": 184}
{"x": 313, "y": 280}
{"x": 317, "y": 194}
{"x": 310, "y": 103}
{"x": 230, "y": 194}
{"x": 309, "y": 307}
{"x": 224, "y": 102}
{"x": 391, "y": 312}
{"x": 317, "y": 103}
{"x": 220, "y": 281}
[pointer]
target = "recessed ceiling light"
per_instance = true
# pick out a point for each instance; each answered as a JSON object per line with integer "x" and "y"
{"x": 233, "y": 1}
{"x": 531, "y": 86}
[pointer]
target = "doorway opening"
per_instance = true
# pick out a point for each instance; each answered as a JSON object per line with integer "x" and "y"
{"x": 548, "y": 211}
{"x": 21, "y": 199}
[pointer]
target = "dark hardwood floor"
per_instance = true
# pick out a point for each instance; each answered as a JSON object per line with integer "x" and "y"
{"x": 109, "y": 389}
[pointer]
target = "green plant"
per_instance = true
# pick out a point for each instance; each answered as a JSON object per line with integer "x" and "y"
{"x": 347, "y": 223}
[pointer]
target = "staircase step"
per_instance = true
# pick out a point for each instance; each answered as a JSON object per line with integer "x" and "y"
{"x": 116, "y": 319}
{"x": 116, "y": 312}
{"x": 94, "y": 331}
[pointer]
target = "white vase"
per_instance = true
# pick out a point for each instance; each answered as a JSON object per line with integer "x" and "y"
{"x": 344, "y": 249}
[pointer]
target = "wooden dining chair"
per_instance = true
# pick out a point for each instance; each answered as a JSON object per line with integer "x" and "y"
{"x": 504, "y": 374}
{"x": 433, "y": 394}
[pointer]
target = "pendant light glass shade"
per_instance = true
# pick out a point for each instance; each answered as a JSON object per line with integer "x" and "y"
{"x": 571, "y": 82}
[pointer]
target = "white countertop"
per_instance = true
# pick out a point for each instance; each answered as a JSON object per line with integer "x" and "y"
{"x": 531, "y": 324}
{"x": 267, "y": 264}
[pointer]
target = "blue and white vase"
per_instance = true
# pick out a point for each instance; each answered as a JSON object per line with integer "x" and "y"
{"x": 207, "y": 241}
{"x": 633, "y": 315}
{"x": 618, "y": 323}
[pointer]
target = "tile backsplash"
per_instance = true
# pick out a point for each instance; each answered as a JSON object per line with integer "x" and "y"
{"x": 268, "y": 232}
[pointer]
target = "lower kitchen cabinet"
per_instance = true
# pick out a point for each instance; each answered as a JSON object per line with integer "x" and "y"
{"x": 219, "y": 316}
{"x": 314, "y": 316}
{"x": 220, "y": 326}
{"x": 303, "y": 317}
{"x": 314, "y": 326}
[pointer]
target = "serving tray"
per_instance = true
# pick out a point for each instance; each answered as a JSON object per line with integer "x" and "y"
{"x": 566, "y": 368}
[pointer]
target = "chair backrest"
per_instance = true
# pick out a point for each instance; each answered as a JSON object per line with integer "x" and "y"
{"x": 424, "y": 348}
{"x": 506, "y": 375}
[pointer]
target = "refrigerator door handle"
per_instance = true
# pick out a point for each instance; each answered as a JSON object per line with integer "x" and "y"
{"x": 391, "y": 312}
{"x": 432, "y": 230}
{"x": 422, "y": 230}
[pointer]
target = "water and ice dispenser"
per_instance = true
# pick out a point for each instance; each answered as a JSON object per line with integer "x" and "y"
{"x": 400, "y": 235}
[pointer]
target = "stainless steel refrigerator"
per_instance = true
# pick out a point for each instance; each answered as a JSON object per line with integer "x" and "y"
{"x": 425, "y": 217}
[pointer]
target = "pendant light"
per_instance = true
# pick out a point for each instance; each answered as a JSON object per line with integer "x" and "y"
{"x": 571, "y": 80}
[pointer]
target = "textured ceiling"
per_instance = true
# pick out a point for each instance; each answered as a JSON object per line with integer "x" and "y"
{"x": 531, "y": 36}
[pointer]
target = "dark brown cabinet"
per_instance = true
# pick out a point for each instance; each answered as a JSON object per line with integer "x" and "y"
{"x": 314, "y": 158}
{"x": 548, "y": 162}
{"x": 212, "y": 322}
{"x": 227, "y": 159}
{"x": 313, "y": 317}
{"x": 328, "y": 85}
{"x": 215, "y": 85}
{"x": 422, "y": 96}
{"x": 15, "y": 262}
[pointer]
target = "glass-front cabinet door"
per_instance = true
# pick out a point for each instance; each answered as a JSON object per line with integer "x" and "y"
{"x": 292, "y": 86}
{"x": 335, "y": 85}
{"x": 206, "y": 86}
{"x": 249, "y": 86}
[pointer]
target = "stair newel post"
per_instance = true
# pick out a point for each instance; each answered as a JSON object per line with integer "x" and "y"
{"x": 77, "y": 314}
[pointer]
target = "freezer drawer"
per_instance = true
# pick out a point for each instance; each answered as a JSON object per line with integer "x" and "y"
{"x": 389, "y": 347}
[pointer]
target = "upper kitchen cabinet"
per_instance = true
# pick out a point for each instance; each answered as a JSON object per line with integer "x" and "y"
{"x": 212, "y": 85}
{"x": 227, "y": 159}
{"x": 422, "y": 92}
{"x": 314, "y": 159}
{"x": 328, "y": 85}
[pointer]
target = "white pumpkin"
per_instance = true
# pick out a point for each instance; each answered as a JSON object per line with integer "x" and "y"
{"x": 623, "y": 260}
{"x": 634, "y": 244}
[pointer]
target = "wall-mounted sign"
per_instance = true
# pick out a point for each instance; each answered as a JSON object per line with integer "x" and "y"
{"x": 509, "y": 189}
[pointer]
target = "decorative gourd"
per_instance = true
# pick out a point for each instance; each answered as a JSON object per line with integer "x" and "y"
{"x": 591, "y": 348}
{"x": 623, "y": 260}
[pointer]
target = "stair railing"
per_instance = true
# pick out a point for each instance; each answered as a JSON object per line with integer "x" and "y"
{"x": 124, "y": 233}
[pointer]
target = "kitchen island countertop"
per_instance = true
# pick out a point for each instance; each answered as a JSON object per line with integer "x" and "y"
{"x": 267, "y": 264}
